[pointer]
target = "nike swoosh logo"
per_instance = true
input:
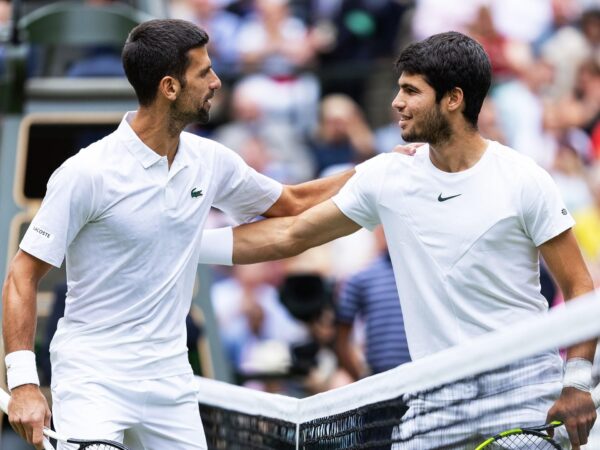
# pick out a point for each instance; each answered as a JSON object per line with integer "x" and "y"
{"x": 443, "y": 199}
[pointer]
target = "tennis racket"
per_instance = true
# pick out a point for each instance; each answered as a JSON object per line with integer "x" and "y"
{"x": 523, "y": 439}
{"x": 82, "y": 443}
{"x": 532, "y": 437}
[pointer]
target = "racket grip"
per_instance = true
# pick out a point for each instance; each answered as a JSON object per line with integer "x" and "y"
{"x": 48, "y": 445}
{"x": 596, "y": 396}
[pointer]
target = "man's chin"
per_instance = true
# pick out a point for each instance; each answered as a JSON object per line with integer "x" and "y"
{"x": 203, "y": 117}
{"x": 411, "y": 137}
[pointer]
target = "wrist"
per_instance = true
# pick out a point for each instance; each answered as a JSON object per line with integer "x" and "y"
{"x": 578, "y": 374}
{"x": 21, "y": 369}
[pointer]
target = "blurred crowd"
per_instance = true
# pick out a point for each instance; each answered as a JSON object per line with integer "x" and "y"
{"x": 307, "y": 91}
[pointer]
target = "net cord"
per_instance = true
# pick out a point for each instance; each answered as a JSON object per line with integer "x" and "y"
{"x": 576, "y": 322}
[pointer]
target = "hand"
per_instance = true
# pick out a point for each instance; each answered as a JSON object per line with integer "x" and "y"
{"x": 408, "y": 149}
{"x": 576, "y": 410}
{"x": 28, "y": 413}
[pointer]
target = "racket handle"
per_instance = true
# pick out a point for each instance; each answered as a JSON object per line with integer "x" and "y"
{"x": 596, "y": 396}
{"x": 48, "y": 445}
{"x": 4, "y": 399}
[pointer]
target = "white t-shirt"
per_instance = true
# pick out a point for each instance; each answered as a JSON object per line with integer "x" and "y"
{"x": 130, "y": 228}
{"x": 469, "y": 238}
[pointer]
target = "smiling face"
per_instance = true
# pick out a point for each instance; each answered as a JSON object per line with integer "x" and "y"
{"x": 421, "y": 117}
{"x": 200, "y": 84}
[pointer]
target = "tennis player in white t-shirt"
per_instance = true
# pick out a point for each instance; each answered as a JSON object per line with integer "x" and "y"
{"x": 469, "y": 218}
{"x": 128, "y": 212}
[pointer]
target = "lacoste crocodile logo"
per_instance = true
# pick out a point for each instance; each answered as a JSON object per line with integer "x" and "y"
{"x": 196, "y": 193}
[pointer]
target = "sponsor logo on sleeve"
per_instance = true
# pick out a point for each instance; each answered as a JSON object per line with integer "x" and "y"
{"x": 42, "y": 232}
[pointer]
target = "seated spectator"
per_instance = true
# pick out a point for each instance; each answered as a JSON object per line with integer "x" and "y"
{"x": 221, "y": 25}
{"x": 275, "y": 49}
{"x": 249, "y": 314}
{"x": 371, "y": 298}
{"x": 287, "y": 157}
{"x": 343, "y": 136}
{"x": 587, "y": 228}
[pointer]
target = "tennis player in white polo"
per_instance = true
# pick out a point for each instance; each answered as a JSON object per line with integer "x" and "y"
{"x": 128, "y": 212}
{"x": 466, "y": 219}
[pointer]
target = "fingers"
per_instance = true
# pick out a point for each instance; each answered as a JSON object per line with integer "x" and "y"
{"x": 27, "y": 413}
{"x": 405, "y": 149}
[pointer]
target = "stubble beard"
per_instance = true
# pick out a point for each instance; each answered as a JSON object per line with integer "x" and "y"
{"x": 435, "y": 128}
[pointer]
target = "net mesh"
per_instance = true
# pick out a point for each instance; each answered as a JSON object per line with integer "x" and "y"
{"x": 455, "y": 399}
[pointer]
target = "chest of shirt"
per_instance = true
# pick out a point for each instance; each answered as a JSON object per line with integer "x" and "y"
{"x": 156, "y": 202}
{"x": 446, "y": 216}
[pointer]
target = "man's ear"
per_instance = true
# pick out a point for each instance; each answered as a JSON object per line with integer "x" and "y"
{"x": 169, "y": 87}
{"x": 454, "y": 99}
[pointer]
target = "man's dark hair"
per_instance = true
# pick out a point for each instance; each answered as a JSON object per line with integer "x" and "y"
{"x": 450, "y": 60}
{"x": 158, "y": 48}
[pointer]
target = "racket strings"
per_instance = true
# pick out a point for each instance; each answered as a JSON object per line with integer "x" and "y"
{"x": 523, "y": 442}
{"x": 98, "y": 446}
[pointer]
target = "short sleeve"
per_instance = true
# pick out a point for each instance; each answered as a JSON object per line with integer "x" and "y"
{"x": 358, "y": 198}
{"x": 243, "y": 193}
{"x": 544, "y": 212}
{"x": 66, "y": 208}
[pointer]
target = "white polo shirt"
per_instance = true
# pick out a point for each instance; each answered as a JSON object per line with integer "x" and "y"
{"x": 463, "y": 245}
{"x": 130, "y": 228}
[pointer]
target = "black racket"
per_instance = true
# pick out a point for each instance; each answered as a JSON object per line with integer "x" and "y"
{"x": 523, "y": 439}
{"x": 83, "y": 444}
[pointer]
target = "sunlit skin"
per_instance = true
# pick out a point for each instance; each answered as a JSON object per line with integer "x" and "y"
{"x": 199, "y": 86}
{"x": 421, "y": 118}
{"x": 454, "y": 143}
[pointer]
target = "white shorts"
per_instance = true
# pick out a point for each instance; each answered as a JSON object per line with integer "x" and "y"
{"x": 155, "y": 414}
{"x": 466, "y": 413}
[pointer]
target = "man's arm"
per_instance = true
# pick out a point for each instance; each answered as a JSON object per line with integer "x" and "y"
{"x": 278, "y": 238}
{"x": 295, "y": 199}
{"x": 346, "y": 353}
{"x": 574, "y": 407}
{"x": 298, "y": 198}
{"x": 28, "y": 409}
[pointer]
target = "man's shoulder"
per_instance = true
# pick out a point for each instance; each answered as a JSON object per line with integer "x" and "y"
{"x": 204, "y": 148}
{"x": 384, "y": 162}
{"x": 509, "y": 156}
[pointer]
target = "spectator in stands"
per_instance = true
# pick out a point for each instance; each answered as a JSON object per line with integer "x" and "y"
{"x": 249, "y": 315}
{"x": 288, "y": 157}
{"x": 520, "y": 106}
{"x": 351, "y": 36}
{"x": 308, "y": 296}
{"x": 587, "y": 228}
{"x": 222, "y": 26}
{"x": 343, "y": 136}
{"x": 274, "y": 47}
{"x": 370, "y": 297}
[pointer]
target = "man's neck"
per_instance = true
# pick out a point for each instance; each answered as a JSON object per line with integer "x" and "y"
{"x": 461, "y": 152}
{"x": 157, "y": 131}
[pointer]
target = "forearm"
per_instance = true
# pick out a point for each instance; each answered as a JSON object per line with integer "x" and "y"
{"x": 585, "y": 349}
{"x": 347, "y": 357}
{"x": 288, "y": 236}
{"x": 19, "y": 316}
{"x": 298, "y": 198}
{"x": 265, "y": 240}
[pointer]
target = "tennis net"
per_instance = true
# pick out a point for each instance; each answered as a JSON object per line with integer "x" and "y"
{"x": 451, "y": 400}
